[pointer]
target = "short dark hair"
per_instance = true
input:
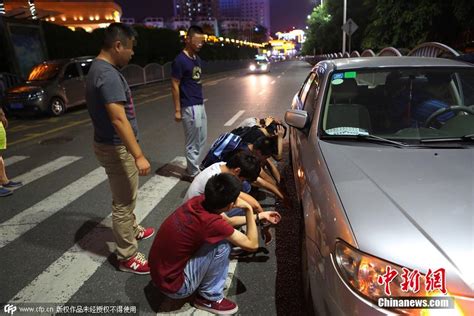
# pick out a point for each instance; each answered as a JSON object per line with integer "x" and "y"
{"x": 193, "y": 30}
{"x": 267, "y": 145}
{"x": 118, "y": 32}
{"x": 221, "y": 190}
{"x": 248, "y": 164}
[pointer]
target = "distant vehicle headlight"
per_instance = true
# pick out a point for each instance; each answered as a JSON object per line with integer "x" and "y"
{"x": 252, "y": 67}
{"x": 36, "y": 95}
{"x": 264, "y": 67}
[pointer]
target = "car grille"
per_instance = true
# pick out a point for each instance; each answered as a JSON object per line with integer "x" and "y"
{"x": 17, "y": 97}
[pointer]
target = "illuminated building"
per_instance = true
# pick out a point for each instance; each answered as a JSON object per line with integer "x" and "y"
{"x": 192, "y": 9}
{"x": 88, "y": 15}
{"x": 297, "y": 36}
{"x": 257, "y": 10}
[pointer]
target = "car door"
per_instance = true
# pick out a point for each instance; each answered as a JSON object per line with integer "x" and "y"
{"x": 304, "y": 100}
{"x": 307, "y": 160}
{"x": 73, "y": 85}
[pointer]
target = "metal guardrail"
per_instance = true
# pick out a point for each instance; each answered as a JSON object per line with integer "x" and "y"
{"x": 137, "y": 75}
{"x": 433, "y": 49}
{"x": 429, "y": 49}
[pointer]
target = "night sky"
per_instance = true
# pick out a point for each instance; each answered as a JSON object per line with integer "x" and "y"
{"x": 284, "y": 14}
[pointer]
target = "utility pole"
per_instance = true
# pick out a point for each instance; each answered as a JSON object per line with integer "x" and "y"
{"x": 344, "y": 22}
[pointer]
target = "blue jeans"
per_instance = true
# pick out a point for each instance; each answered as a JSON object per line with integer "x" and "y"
{"x": 235, "y": 212}
{"x": 206, "y": 272}
{"x": 246, "y": 186}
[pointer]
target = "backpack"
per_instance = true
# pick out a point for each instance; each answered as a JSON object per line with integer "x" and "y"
{"x": 248, "y": 134}
{"x": 220, "y": 149}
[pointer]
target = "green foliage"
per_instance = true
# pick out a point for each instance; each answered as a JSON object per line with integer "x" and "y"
{"x": 397, "y": 23}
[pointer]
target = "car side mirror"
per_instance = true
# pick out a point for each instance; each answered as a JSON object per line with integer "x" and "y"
{"x": 296, "y": 118}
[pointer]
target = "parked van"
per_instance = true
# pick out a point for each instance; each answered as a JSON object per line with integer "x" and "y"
{"x": 52, "y": 87}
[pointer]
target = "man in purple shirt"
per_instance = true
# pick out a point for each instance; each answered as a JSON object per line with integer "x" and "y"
{"x": 188, "y": 101}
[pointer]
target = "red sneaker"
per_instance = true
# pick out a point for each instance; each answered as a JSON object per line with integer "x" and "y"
{"x": 137, "y": 264}
{"x": 222, "y": 307}
{"x": 144, "y": 233}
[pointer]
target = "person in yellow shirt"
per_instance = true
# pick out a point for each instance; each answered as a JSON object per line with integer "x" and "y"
{"x": 5, "y": 183}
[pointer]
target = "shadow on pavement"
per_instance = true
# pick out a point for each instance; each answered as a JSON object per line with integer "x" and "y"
{"x": 288, "y": 289}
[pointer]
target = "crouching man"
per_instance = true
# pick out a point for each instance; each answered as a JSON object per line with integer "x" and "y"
{"x": 190, "y": 252}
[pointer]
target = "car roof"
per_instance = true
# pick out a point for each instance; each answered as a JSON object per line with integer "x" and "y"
{"x": 393, "y": 62}
{"x": 66, "y": 60}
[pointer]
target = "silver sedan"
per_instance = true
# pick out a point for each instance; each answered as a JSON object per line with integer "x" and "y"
{"x": 383, "y": 159}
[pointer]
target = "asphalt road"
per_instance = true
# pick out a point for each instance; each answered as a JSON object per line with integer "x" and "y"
{"x": 55, "y": 242}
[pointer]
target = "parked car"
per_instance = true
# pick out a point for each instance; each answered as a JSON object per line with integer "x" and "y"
{"x": 382, "y": 154}
{"x": 260, "y": 64}
{"x": 51, "y": 87}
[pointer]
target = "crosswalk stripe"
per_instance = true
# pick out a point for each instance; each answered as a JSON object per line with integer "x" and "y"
{"x": 64, "y": 277}
{"x": 46, "y": 169}
{"x": 29, "y": 218}
{"x": 14, "y": 159}
{"x": 234, "y": 118}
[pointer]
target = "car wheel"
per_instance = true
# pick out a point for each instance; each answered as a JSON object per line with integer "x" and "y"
{"x": 308, "y": 299}
{"x": 56, "y": 106}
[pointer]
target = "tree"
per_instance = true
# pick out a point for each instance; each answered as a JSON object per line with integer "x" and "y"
{"x": 398, "y": 23}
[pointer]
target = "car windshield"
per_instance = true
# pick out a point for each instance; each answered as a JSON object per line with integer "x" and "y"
{"x": 45, "y": 71}
{"x": 409, "y": 105}
{"x": 261, "y": 59}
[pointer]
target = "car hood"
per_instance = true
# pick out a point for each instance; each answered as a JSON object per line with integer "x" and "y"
{"x": 27, "y": 87}
{"x": 410, "y": 206}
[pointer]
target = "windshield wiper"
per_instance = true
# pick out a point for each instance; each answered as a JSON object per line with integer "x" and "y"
{"x": 465, "y": 138}
{"x": 368, "y": 137}
{"x": 381, "y": 140}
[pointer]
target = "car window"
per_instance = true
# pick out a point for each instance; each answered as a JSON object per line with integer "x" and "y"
{"x": 304, "y": 91}
{"x": 71, "y": 71}
{"x": 85, "y": 66}
{"x": 44, "y": 71}
{"x": 310, "y": 100}
{"x": 409, "y": 104}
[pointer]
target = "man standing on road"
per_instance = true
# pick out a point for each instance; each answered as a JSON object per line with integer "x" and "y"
{"x": 188, "y": 101}
{"x": 116, "y": 147}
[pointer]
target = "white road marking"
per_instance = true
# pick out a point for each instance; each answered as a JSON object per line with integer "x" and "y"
{"x": 273, "y": 82}
{"x": 214, "y": 82}
{"x": 279, "y": 76}
{"x": 234, "y": 118}
{"x": 45, "y": 169}
{"x": 261, "y": 92}
{"x": 14, "y": 159}
{"x": 188, "y": 310}
{"x": 63, "y": 278}
{"x": 29, "y": 218}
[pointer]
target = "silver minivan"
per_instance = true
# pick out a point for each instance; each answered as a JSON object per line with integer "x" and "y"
{"x": 51, "y": 87}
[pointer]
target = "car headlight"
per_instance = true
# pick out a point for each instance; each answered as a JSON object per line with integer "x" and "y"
{"x": 252, "y": 67}
{"x": 36, "y": 95}
{"x": 264, "y": 67}
{"x": 361, "y": 272}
